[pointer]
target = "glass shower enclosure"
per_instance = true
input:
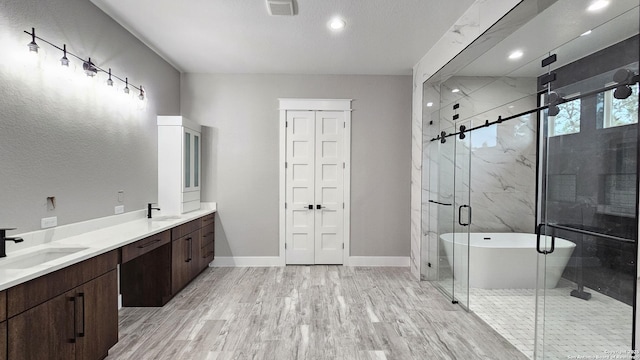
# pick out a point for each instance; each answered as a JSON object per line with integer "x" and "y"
{"x": 562, "y": 167}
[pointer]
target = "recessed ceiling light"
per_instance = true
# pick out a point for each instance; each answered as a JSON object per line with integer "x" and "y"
{"x": 429, "y": 104}
{"x": 337, "y": 24}
{"x": 516, "y": 55}
{"x": 597, "y": 5}
{"x": 586, "y": 33}
{"x": 455, "y": 90}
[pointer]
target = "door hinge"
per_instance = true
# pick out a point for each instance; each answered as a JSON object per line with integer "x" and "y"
{"x": 286, "y": 124}
{"x": 343, "y": 246}
{"x": 285, "y": 246}
{"x": 286, "y": 164}
{"x": 285, "y": 205}
{"x": 344, "y": 124}
{"x": 343, "y": 165}
{"x": 343, "y": 205}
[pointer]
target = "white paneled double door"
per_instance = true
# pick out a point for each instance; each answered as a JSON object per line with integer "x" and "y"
{"x": 315, "y": 167}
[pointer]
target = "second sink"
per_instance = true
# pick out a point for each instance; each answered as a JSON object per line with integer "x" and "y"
{"x": 38, "y": 257}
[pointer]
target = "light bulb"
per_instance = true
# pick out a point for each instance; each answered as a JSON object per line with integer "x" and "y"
{"x": 337, "y": 24}
{"x": 64, "y": 61}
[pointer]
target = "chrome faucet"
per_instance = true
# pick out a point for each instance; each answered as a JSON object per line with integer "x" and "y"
{"x": 149, "y": 208}
{"x": 3, "y": 238}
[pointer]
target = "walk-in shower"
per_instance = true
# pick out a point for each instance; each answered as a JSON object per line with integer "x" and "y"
{"x": 530, "y": 186}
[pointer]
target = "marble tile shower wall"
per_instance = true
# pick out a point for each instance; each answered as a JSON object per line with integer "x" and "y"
{"x": 503, "y": 157}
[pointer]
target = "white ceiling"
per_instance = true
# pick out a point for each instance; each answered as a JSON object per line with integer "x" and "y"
{"x": 239, "y": 36}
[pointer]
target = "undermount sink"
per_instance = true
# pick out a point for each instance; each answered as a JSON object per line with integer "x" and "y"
{"x": 38, "y": 257}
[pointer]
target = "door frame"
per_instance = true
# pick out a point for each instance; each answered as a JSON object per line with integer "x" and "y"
{"x": 290, "y": 104}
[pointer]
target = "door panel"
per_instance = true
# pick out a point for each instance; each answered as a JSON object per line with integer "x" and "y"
{"x": 299, "y": 235}
{"x": 46, "y": 331}
{"x": 462, "y": 212}
{"x": 97, "y": 316}
{"x": 329, "y": 191}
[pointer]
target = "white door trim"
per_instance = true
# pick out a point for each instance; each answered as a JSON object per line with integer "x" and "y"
{"x": 315, "y": 104}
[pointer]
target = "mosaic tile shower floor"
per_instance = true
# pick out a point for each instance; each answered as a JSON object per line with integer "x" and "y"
{"x": 599, "y": 328}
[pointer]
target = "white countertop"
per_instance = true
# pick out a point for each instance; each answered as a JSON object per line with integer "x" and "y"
{"x": 97, "y": 241}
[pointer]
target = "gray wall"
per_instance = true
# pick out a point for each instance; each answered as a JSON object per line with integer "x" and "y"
{"x": 66, "y": 136}
{"x": 241, "y": 154}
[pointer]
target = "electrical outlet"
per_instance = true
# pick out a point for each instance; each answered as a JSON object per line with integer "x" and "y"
{"x": 49, "y": 222}
{"x": 119, "y": 209}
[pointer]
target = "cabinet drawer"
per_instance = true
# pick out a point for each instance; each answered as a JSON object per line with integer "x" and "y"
{"x": 141, "y": 247}
{"x": 207, "y": 220}
{"x": 31, "y": 293}
{"x": 185, "y": 229}
{"x": 207, "y": 235}
{"x": 191, "y": 196}
{"x": 207, "y": 253}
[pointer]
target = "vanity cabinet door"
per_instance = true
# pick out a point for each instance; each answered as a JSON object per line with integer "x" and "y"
{"x": 185, "y": 260}
{"x": 3, "y": 340}
{"x": 181, "y": 261}
{"x": 44, "y": 332}
{"x": 191, "y": 160}
{"x": 97, "y": 316}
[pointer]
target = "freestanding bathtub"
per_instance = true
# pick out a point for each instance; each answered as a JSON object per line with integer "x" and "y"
{"x": 505, "y": 260}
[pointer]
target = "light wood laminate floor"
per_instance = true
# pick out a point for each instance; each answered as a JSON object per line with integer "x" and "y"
{"x": 308, "y": 312}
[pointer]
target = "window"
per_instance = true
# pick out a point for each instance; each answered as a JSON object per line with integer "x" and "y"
{"x": 618, "y": 112}
{"x": 568, "y": 119}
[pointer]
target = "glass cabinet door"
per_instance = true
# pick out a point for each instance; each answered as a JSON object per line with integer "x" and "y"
{"x": 191, "y": 160}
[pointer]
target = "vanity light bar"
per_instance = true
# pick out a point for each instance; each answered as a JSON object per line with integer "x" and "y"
{"x": 90, "y": 68}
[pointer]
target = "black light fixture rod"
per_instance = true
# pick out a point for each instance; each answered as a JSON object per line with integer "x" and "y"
{"x": 77, "y": 57}
{"x": 631, "y": 81}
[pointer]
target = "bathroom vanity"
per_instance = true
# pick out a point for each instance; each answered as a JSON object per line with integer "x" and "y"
{"x": 67, "y": 308}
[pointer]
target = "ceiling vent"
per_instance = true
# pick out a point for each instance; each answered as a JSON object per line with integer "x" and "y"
{"x": 281, "y": 7}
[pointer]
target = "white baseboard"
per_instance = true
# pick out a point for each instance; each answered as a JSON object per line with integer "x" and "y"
{"x": 402, "y": 261}
{"x": 246, "y": 261}
{"x": 255, "y": 261}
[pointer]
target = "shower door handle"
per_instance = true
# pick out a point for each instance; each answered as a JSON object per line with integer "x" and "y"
{"x": 460, "y": 215}
{"x": 553, "y": 240}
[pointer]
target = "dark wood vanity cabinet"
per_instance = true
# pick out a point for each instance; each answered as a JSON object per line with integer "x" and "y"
{"x": 192, "y": 250}
{"x": 156, "y": 268}
{"x": 69, "y": 314}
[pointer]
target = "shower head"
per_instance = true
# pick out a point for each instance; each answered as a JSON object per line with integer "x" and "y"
{"x": 554, "y": 100}
{"x": 625, "y": 78}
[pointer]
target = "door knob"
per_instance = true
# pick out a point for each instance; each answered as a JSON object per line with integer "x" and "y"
{"x": 320, "y": 207}
{"x": 310, "y": 207}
